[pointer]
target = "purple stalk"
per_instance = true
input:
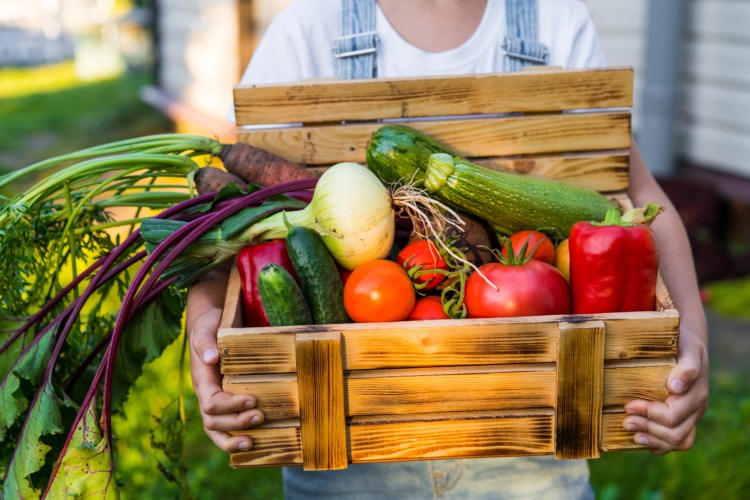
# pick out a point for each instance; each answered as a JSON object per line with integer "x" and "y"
{"x": 70, "y": 313}
{"x": 181, "y": 239}
{"x": 137, "y": 296}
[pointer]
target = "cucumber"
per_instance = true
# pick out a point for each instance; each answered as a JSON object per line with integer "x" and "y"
{"x": 509, "y": 202}
{"x": 282, "y": 297}
{"x": 318, "y": 275}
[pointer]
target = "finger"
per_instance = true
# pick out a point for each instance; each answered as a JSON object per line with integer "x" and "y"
{"x": 660, "y": 447}
{"x": 650, "y": 433}
{"x": 233, "y": 421}
{"x": 203, "y": 337}
{"x": 229, "y": 443}
{"x": 221, "y": 403}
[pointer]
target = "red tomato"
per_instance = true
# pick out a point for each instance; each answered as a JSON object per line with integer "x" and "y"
{"x": 545, "y": 251}
{"x": 423, "y": 253}
{"x": 530, "y": 289}
{"x": 430, "y": 307}
{"x": 379, "y": 290}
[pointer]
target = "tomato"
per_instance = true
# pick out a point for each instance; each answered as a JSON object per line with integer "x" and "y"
{"x": 545, "y": 251}
{"x": 423, "y": 253}
{"x": 379, "y": 290}
{"x": 430, "y": 307}
{"x": 529, "y": 289}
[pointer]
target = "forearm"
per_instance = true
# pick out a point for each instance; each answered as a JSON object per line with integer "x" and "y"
{"x": 207, "y": 294}
{"x": 676, "y": 259}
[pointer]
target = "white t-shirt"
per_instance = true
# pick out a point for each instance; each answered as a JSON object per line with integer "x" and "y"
{"x": 297, "y": 44}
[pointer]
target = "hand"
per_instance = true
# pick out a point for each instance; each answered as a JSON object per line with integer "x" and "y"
{"x": 670, "y": 425}
{"x": 221, "y": 412}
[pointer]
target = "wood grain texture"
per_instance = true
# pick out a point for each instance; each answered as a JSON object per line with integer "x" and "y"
{"x": 605, "y": 172}
{"x": 231, "y": 315}
{"x": 470, "y": 137}
{"x": 580, "y": 390}
{"x": 320, "y": 386}
{"x": 531, "y": 92}
{"x": 471, "y": 388}
{"x": 479, "y": 434}
{"x": 531, "y": 339}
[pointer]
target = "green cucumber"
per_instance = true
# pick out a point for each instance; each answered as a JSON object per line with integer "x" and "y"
{"x": 282, "y": 297}
{"x": 318, "y": 275}
{"x": 509, "y": 202}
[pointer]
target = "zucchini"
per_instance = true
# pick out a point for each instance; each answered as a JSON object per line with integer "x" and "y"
{"x": 318, "y": 275}
{"x": 282, "y": 297}
{"x": 509, "y": 202}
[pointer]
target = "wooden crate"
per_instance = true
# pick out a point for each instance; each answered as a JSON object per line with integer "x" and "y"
{"x": 380, "y": 392}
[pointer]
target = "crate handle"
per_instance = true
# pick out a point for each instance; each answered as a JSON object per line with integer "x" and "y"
{"x": 580, "y": 389}
{"x": 320, "y": 386}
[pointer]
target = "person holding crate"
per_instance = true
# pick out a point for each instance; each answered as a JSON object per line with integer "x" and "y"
{"x": 395, "y": 38}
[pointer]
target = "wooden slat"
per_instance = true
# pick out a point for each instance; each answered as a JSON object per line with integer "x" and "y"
{"x": 335, "y": 101}
{"x": 231, "y": 315}
{"x": 497, "y": 136}
{"x": 444, "y": 436}
{"x": 273, "y": 446}
{"x": 320, "y": 386}
{"x": 452, "y": 436}
{"x": 580, "y": 390}
{"x": 641, "y": 379}
{"x": 604, "y": 172}
{"x": 614, "y": 437}
{"x": 529, "y": 339}
{"x": 477, "y": 388}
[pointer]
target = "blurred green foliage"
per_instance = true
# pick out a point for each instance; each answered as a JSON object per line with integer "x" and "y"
{"x": 44, "y": 114}
{"x": 731, "y": 298}
{"x": 209, "y": 473}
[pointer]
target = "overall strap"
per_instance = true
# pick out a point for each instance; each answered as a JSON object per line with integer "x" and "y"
{"x": 521, "y": 45}
{"x": 356, "y": 48}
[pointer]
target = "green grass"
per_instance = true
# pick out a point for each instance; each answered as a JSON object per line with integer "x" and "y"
{"x": 61, "y": 114}
{"x": 731, "y": 298}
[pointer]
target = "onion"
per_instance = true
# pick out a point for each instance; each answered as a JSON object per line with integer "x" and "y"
{"x": 352, "y": 211}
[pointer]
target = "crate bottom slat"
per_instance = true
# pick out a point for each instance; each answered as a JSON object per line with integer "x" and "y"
{"x": 396, "y": 438}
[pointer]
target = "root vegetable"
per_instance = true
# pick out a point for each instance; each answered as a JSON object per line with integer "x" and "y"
{"x": 211, "y": 179}
{"x": 258, "y": 166}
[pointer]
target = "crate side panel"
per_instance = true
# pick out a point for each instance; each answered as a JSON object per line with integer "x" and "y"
{"x": 332, "y": 100}
{"x": 459, "y": 438}
{"x": 470, "y": 137}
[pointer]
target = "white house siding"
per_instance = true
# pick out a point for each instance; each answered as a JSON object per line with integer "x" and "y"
{"x": 198, "y": 53}
{"x": 715, "y": 108}
{"x": 716, "y": 129}
{"x": 621, "y": 25}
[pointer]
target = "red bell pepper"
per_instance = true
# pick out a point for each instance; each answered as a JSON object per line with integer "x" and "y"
{"x": 250, "y": 261}
{"x": 613, "y": 266}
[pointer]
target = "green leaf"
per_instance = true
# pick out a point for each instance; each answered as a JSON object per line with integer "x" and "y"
{"x": 44, "y": 420}
{"x": 146, "y": 336}
{"x": 235, "y": 224}
{"x": 30, "y": 367}
{"x": 86, "y": 468}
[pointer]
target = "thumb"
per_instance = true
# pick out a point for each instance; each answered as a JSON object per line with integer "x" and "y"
{"x": 203, "y": 336}
{"x": 686, "y": 372}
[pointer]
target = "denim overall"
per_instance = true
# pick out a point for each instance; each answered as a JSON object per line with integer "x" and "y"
{"x": 477, "y": 478}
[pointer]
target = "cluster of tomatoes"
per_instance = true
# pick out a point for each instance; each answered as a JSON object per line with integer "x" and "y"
{"x": 527, "y": 278}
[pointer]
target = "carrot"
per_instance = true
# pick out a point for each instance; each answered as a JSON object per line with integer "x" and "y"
{"x": 210, "y": 179}
{"x": 258, "y": 166}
